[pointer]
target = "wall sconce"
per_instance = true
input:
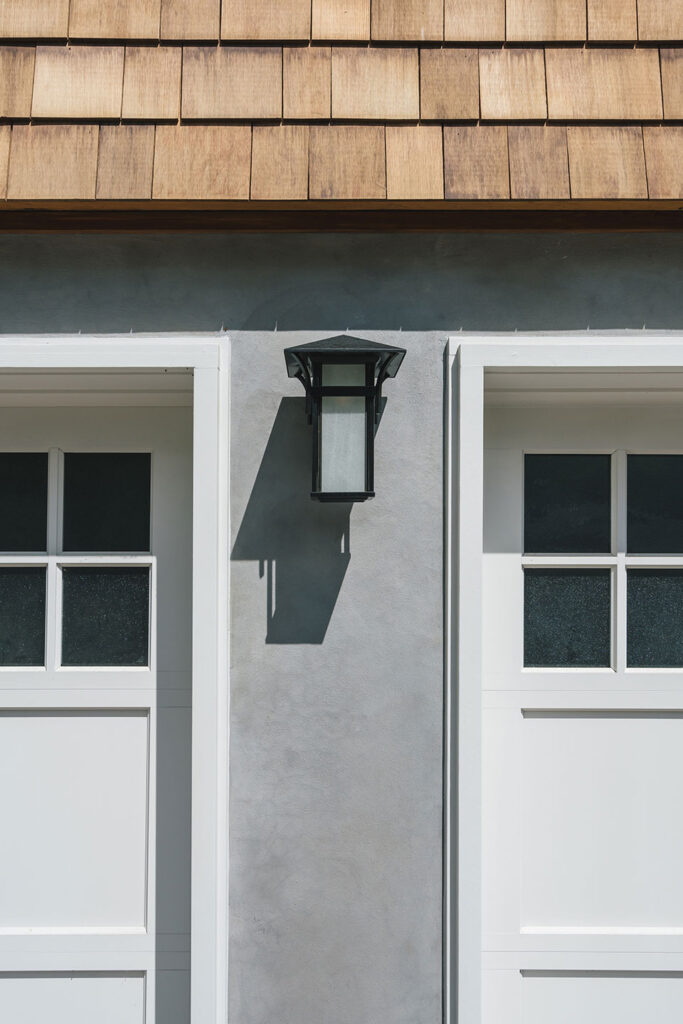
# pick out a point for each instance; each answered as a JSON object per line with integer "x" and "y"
{"x": 343, "y": 379}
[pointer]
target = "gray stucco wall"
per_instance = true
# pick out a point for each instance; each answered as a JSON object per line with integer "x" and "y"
{"x": 336, "y": 707}
{"x": 416, "y": 282}
{"x": 337, "y": 686}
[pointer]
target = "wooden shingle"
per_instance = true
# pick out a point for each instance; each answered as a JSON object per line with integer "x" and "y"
{"x": 606, "y": 162}
{"x": 477, "y": 21}
{"x": 343, "y": 20}
{"x": 202, "y": 162}
{"x": 612, "y": 20}
{"x": 672, "y": 83}
{"x": 375, "y": 84}
{"x": 125, "y": 161}
{"x": 660, "y": 19}
{"x": 232, "y": 82}
{"x": 538, "y": 162}
{"x": 545, "y": 20}
{"x": 190, "y": 19}
{"x": 407, "y": 20}
{"x": 34, "y": 19}
{"x": 151, "y": 83}
{"x": 271, "y": 20}
{"x": 5, "y": 132}
{"x": 124, "y": 19}
{"x": 279, "y": 163}
{"x": 347, "y": 162}
{"x": 542, "y": 80}
{"x": 476, "y": 162}
{"x": 307, "y": 82}
{"x": 53, "y": 161}
{"x": 664, "y": 161}
{"x": 78, "y": 82}
{"x": 16, "y": 80}
{"x": 449, "y": 84}
{"x": 512, "y": 84}
{"x": 414, "y": 162}
{"x": 603, "y": 84}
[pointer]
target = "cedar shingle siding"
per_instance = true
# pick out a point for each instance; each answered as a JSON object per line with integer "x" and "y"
{"x": 375, "y": 100}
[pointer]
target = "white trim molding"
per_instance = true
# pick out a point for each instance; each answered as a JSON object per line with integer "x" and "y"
{"x": 207, "y": 359}
{"x": 605, "y": 359}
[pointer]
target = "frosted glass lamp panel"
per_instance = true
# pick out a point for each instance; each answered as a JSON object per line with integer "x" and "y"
{"x": 342, "y": 436}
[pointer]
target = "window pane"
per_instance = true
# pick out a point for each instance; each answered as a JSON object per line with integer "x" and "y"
{"x": 655, "y": 504}
{"x": 654, "y": 632}
{"x": 342, "y": 432}
{"x": 106, "y": 502}
{"x": 567, "y": 503}
{"x": 105, "y": 616}
{"x": 23, "y": 501}
{"x": 567, "y": 618}
{"x": 22, "y": 616}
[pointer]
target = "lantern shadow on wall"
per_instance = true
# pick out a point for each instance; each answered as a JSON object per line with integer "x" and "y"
{"x": 302, "y": 547}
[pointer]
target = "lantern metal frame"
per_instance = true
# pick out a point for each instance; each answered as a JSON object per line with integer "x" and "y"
{"x": 306, "y": 362}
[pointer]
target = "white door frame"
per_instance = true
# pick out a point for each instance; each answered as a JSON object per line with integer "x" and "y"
{"x": 467, "y": 359}
{"x": 208, "y": 359}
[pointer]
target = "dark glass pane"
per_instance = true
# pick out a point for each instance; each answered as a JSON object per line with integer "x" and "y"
{"x": 105, "y": 616}
{"x": 23, "y": 501}
{"x": 567, "y": 618}
{"x": 654, "y": 631}
{"x": 655, "y": 504}
{"x": 106, "y": 502}
{"x": 22, "y": 616}
{"x": 567, "y": 503}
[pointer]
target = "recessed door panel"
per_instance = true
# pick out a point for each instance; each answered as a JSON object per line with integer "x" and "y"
{"x": 34, "y": 998}
{"x": 602, "y": 840}
{"x": 73, "y": 806}
{"x": 601, "y": 998}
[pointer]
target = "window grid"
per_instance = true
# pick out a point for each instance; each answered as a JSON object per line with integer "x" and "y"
{"x": 619, "y": 562}
{"x": 54, "y": 560}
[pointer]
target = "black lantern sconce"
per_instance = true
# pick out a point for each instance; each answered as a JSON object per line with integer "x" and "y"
{"x": 343, "y": 380}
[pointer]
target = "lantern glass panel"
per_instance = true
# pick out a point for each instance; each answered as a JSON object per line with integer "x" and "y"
{"x": 343, "y": 431}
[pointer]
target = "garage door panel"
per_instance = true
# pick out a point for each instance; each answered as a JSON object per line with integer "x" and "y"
{"x": 35, "y": 998}
{"x": 580, "y": 744}
{"x": 582, "y": 753}
{"x": 95, "y": 743}
{"x": 589, "y": 996}
{"x": 602, "y": 842}
{"x": 596, "y": 997}
{"x": 74, "y": 803}
{"x": 582, "y": 844}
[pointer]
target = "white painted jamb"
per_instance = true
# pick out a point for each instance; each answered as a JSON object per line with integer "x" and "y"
{"x": 469, "y": 450}
{"x": 208, "y": 358}
{"x": 450, "y": 808}
{"x": 209, "y": 960}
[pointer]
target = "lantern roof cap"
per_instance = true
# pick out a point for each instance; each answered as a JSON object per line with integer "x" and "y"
{"x": 345, "y": 348}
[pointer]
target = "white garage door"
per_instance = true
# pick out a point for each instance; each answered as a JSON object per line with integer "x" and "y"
{"x": 583, "y": 715}
{"x": 95, "y": 715}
